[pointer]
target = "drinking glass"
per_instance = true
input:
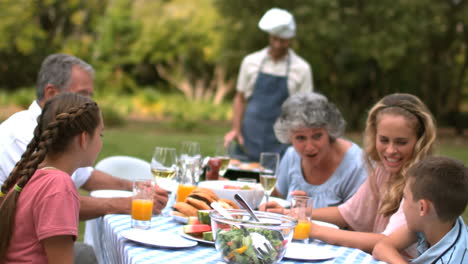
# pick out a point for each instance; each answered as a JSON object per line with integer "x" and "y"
{"x": 189, "y": 169}
{"x": 222, "y": 154}
{"x": 142, "y": 203}
{"x": 301, "y": 209}
{"x": 164, "y": 167}
{"x": 269, "y": 162}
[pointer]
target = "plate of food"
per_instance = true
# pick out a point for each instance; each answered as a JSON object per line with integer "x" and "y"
{"x": 225, "y": 190}
{"x": 198, "y": 228}
{"x": 158, "y": 238}
{"x": 206, "y": 239}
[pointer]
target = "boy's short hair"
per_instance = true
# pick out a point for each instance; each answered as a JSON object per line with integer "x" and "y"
{"x": 444, "y": 182}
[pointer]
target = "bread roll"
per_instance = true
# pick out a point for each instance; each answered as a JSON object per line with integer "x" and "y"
{"x": 198, "y": 204}
{"x": 185, "y": 209}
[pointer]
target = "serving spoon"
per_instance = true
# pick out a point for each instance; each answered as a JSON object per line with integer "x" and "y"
{"x": 246, "y": 206}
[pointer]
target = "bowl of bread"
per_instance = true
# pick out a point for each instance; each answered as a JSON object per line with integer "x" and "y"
{"x": 201, "y": 199}
{"x": 251, "y": 192}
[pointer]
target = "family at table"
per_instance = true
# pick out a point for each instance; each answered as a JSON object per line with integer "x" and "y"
{"x": 390, "y": 198}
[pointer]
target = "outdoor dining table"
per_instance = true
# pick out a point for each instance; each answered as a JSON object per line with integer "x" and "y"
{"x": 111, "y": 247}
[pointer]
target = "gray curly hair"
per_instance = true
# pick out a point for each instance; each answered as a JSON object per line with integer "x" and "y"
{"x": 56, "y": 70}
{"x": 308, "y": 110}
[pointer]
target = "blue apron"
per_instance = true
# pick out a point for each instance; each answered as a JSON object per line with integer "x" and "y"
{"x": 263, "y": 108}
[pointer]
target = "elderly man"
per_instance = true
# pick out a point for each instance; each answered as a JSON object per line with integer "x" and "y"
{"x": 266, "y": 79}
{"x": 65, "y": 73}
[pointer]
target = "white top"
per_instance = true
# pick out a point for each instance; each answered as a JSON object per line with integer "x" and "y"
{"x": 299, "y": 78}
{"x": 15, "y": 134}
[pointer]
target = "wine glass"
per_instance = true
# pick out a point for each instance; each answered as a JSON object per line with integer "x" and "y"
{"x": 164, "y": 168}
{"x": 269, "y": 162}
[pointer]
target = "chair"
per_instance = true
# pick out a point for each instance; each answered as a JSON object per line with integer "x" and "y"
{"x": 125, "y": 167}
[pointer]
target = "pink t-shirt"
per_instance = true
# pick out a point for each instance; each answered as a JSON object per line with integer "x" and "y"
{"x": 48, "y": 206}
{"x": 361, "y": 211}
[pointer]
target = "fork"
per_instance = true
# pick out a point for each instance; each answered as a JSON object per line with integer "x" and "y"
{"x": 265, "y": 254}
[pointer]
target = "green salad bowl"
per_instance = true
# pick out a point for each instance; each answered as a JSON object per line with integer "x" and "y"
{"x": 240, "y": 239}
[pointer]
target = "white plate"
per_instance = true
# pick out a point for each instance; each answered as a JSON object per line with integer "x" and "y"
{"x": 324, "y": 223}
{"x": 195, "y": 238}
{"x": 158, "y": 238}
{"x": 110, "y": 193}
{"x": 301, "y": 251}
{"x": 280, "y": 201}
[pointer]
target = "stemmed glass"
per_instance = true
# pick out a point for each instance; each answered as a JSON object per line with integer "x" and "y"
{"x": 164, "y": 168}
{"x": 269, "y": 162}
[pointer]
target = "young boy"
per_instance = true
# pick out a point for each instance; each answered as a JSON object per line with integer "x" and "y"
{"x": 435, "y": 195}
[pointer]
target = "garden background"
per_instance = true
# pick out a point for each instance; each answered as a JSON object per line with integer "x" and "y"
{"x": 166, "y": 69}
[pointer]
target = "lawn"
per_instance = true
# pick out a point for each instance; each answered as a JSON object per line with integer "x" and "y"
{"x": 139, "y": 139}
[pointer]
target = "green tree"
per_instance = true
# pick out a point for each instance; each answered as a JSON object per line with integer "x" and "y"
{"x": 31, "y": 30}
{"x": 181, "y": 38}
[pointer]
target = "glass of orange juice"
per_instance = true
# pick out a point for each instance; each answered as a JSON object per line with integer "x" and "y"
{"x": 184, "y": 190}
{"x": 142, "y": 203}
{"x": 301, "y": 209}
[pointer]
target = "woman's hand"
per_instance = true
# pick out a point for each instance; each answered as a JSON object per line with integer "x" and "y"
{"x": 272, "y": 207}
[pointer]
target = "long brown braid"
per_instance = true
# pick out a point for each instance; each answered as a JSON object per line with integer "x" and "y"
{"x": 63, "y": 117}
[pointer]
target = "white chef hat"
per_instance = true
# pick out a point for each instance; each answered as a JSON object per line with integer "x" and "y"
{"x": 278, "y": 22}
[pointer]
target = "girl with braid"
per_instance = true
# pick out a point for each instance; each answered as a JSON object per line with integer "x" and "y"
{"x": 40, "y": 208}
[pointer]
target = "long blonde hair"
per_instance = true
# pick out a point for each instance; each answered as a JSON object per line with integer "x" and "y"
{"x": 421, "y": 119}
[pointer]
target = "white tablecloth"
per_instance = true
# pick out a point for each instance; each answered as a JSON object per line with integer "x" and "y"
{"x": 104, "y": 234}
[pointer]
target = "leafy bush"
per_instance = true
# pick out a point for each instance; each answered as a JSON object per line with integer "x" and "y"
{"x": 112, "y": 118}
{"x": 150, "y": 103}
{"x": 23, "y": 97}
{"x": 147, "y": 103}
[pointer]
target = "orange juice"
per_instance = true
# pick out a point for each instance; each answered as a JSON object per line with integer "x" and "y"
{"x": 183, "y": 191}
{"x": 142, "y": 209}
{"x": 301, "y": 231}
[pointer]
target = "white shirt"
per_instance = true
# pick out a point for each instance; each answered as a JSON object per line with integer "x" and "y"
{"x": 299, "y": 77}
{"x": 15, "y": 134}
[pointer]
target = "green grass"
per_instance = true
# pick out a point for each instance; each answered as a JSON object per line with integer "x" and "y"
{"x": 139, "y": 139}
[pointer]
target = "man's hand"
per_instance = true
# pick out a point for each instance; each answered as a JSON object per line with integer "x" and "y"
{"x": 159, "y": 199}
{"x": 233, "y": 135}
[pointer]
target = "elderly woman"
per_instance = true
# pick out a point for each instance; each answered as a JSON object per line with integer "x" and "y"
{"x": 320, "y": 163}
